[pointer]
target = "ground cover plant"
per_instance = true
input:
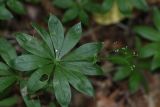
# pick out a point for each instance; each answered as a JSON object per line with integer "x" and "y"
{"x": 53, "y": 53}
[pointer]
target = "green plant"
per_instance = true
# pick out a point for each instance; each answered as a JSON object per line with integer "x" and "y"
{"x": 125, "y": 6}
{"x": 54, "y": 65}
{"x": 9, "y": 76}
{"x": 129, "y": 66}
{"x": 77, "y": 9}
{"x": 151, "y": 50}
{"x": 13, "y": 5}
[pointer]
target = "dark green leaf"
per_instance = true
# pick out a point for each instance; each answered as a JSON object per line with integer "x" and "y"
{"x": 122, "y": 73}
{"x": 84, "y": 52}
{"x": 156, "y": 18}
{"x": 39, "y": 78}
{"x": 7, "y": 52}
{"x": 70, "y": 15}
{"x": 118, "y": 60}
{"x": 32, "y": 45}
{"x": 6, "y": 82}
{"x": 16, "y": 6}
{"x": 29, "y": 62}
{"x": 9, "y": 102}
{"x": 156, "y": 62}
{"x": 71, "y": 39}
{"x": 84, "y": 18}
{"x": 61, "y": 88}
{"x": 5, "y": 13}
{"x": 147, "y": 33}
{"x": 46, "y": 37}
{"x": 79, "y": 82}
{"x": 135, "y": 81}
{"x": 125, "y": 6}
{"x": 4, "y": 69}
{"x": 86, "y": 68}
{"x": 63, "y": 3}
{"x": 148, "y": 50}
{"x": 56, "y": 32}
{"x": 140, "y": 4}
{"x": 107, "y": 5}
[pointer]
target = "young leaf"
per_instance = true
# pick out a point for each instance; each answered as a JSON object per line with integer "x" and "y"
{"x": 71, "y": 39}
{"x": 61, "y": 88}
{"x": 29, "y": 62}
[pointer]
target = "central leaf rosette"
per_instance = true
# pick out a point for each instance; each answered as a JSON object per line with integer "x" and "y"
{"x": 54, "y": 62}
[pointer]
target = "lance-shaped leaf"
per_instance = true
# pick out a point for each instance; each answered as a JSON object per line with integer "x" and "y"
{"x": 56, "y": 32}
{"x": 39, "y": 78}
{"x": 122, "y": 73}
{"x": 149, "y": 50}
{"x": 125, "y": 6}
{"x": 79, "y": 82}
{"x": 32, "y": 45}
{"x": 84, "y": 17}
{"x": 135, "y": 81}
{"x": 7, "y": 52}
{"x": 148, "y": 33}
{"x": 46, "y": 37}
{"x": 86, "y": 68}
{"x": 16, "y": 6}
{"x": 70, "y": 14}
{"x": 63, "y": 3}
{"x": 118, "y": 60}
{"x": 61, "y": 87}
{"x": 84, "y": 52}
{"x": 29, "y": 62}
{"x": 6, "y": 82}
{"x": 71, "y": 39}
